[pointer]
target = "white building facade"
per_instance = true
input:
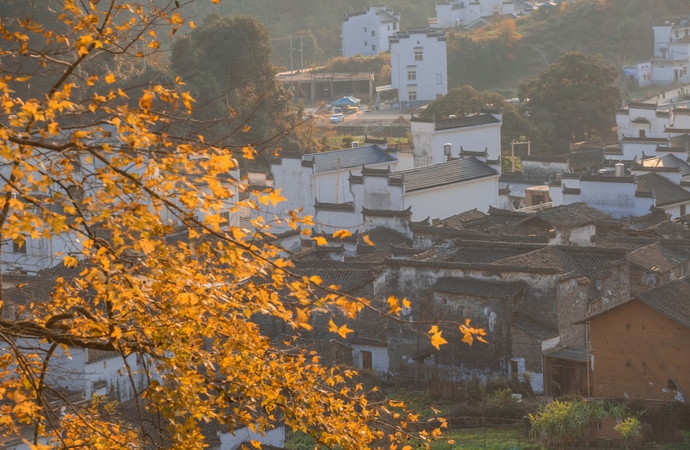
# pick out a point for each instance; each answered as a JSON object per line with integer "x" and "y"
{"x": 465, "y": 13}
{"x": 671, "y": 56}
{"x": 419, "y": 66}
{"x": 366, "y": 33}
{"x": 473, "y": 135}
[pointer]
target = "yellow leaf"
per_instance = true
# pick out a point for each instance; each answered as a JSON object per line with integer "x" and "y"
{"x": 436, "y": 339}
{"x": 70, "y": 261}
{"x": 342, "y": 234}
{"x": 192, "y": 25}
{"x": 367, "y": 240}
{"x": 110, "y": 78}
{"x": 343, "y": 330}
{"x": 320, "y": 240}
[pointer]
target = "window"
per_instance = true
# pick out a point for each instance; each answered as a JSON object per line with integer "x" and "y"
{"x": 366, "y": 360}
{"x": 642, "y": 133}
{"x": 366, "y": 43}
{"x": 389, "y": 27}
{"x": 395, "y": 26}
{"x": 19, "y": 247}
{"x": 365, "y": 29}
{"x": 411, "y": 75}
{"x": 412, "y": 94}
{"x": 373, "y": 48}
{"x": 418, "y": 55}
{"x": 682, "y": 210}
{"x": 439, "y": 79}
{"x": 373, "y": 32}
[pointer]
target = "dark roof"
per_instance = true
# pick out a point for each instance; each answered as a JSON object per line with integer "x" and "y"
{"x": 672, "y": 300}
{"x": 568, "y": 354}
{"x": 486, "y": 252}
{"x": 665, "y": 191}
{"x": 658, "y": 257}
{"x": 471, "y": 121}
{"x": 453, "y": 171}
{"x": 457, "y": 220}
{"x": 480, "y": 288}
{"x": 362, "y": 340}
{"x": 347, "y": 279}
{"x": 348, "y": 158}
{"x": 572, "y": 215}
{"x": 586, "y": 261}
{"x": 532, "y": 327}
{"x": 666, "y": 162}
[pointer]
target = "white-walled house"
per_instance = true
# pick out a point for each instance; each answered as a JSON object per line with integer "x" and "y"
{"x": 366, "y": 33}
{"x": 642, "y": 120}
{"x": 671, "y": 56}
{"x": 419, "y": 67}
{"x": 467, "y": 13}
{"x": 322, "y": 178}
{"x": 477, "y": 135}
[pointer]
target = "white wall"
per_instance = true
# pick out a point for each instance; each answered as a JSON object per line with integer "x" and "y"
{"x": 614, "y": 198}
{"x": 445, "y": 201}
{"x": 428, "y": 142}
{"x": 379, "y": 357}
{"x": 112, "y": 371}
{"x": 431, "y": 71}
{"x": 357, "y": 31}
{"x": 274, "y": 437}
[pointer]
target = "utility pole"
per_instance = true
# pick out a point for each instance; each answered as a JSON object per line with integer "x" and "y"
{"x": 301, "y": 54}
{"x": 512, "y": 151}
{"x": 291, "y": 49}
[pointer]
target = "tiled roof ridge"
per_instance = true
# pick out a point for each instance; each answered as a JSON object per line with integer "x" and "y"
{"x": 471, "y": 266}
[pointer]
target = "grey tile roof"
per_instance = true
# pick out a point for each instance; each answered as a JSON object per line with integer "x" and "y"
{"x": 348, "y": 277}
{"x": 471, "y": 121}
{"x": 480, "y": 288}
{"x": 589, "y": 262}
{"x": 533, "y": 327}
{"x": 349, "y": 158}
{"x": 658, "y": 257}
{"x": 667, "y": 161}
{"x": 572, "y": 215}
{"x": 453, "y": 171}
{"x": 671, "y": 300}
{"x": 457, "y": 220}
{"x": 483, "y": 254}
{"x": 361, "y": 340}
{"x": 666, "y": 192}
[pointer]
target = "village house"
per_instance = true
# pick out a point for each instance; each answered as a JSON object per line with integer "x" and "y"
{"x": 670, "y": 57}
{"x": 366, "y": 33}
{"x": 476, "y": 13}
{"x": 478, "y": 135}
{"x": 419, "y": 67}
{"x": 640, "y": 349}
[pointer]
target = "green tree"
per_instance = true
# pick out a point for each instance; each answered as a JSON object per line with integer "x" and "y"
{"x": 573, "y": 99}
{"x": 226, "y": 64}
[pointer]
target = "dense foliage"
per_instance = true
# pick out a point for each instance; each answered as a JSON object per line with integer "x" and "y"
{"x": 156, "y": 269}
{"x": 574, "y": 99}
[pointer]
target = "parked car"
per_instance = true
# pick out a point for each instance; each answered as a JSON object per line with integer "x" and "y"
{"x": 337, "y": 117}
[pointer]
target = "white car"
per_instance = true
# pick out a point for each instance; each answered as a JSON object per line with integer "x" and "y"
{"x": 337, "y": 117}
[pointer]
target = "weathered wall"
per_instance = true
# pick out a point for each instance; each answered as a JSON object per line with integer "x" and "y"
{"x": 636, "y": 351}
